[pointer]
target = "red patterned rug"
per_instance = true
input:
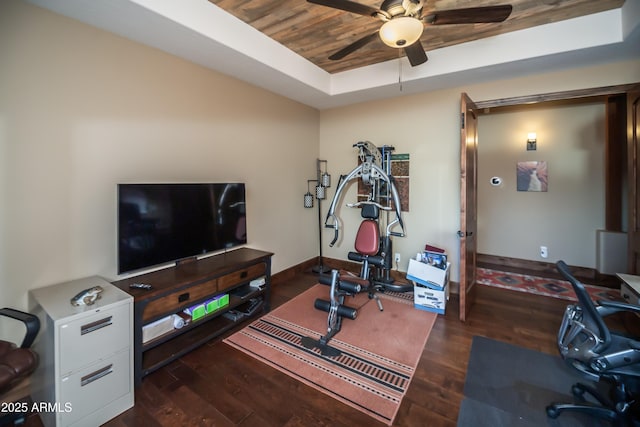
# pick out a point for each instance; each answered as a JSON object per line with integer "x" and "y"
{"x": 380, "y": 350}
{"x": 555, "y": 288}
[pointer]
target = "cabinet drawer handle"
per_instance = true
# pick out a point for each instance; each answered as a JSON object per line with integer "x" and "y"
{"x": 94, "y": 326}
{"x": 96, "y": 375}
{"x": 244, "y": 274}
{"x": 183, "y": 297}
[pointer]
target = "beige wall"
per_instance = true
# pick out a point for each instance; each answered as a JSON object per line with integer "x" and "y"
{"x": 565, "y": 218}
{"x": 427, "y": 127}
{"x": 82, "y": 110}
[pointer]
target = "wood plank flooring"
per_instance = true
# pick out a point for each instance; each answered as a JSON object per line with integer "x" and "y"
{"x": 218, "y": 385}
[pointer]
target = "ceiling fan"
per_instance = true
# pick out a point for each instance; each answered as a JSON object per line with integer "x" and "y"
{"x": 403, "y": 23}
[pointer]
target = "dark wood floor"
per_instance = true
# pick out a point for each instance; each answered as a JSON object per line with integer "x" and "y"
{"x": 218, "y": 385}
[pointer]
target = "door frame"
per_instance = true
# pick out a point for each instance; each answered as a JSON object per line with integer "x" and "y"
{"x": 566, "y": 96}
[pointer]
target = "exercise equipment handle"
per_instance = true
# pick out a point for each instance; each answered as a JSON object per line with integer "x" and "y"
{"x": 335, "y": 226}
{"x": 369, "y": 202}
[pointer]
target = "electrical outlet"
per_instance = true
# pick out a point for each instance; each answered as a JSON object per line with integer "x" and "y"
{"x": 397, "y": 257}
{"x": 544, "y": 252}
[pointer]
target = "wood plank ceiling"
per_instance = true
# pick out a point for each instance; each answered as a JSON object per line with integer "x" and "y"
{"x": 315, "y": 32}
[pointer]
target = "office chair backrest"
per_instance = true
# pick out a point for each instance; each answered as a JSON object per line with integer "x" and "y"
{"x": 590, "y": 316}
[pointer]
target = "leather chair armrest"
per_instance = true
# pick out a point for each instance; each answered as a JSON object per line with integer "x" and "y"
{"x": 31, "y": 322}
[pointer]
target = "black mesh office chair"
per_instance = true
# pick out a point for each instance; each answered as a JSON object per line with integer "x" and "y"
{"x": 603, "y": 356}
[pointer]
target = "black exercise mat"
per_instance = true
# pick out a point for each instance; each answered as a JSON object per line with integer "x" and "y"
{"x": 478, "y": 414}
{"x": 511, "y": 386}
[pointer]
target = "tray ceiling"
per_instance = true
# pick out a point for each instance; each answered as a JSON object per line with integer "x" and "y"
{"x": 315, "y": 32}
{"x": 285, "y": 44}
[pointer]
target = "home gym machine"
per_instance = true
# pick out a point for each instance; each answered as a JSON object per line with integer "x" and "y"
{"x": 371, "y": 249}
{"x": 374, "y": 251}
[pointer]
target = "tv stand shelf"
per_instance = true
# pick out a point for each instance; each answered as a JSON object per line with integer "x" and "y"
{"x": 188, "y": 284}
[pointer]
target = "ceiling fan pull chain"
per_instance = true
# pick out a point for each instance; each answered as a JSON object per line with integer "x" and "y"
{"x": 400, "y": 69}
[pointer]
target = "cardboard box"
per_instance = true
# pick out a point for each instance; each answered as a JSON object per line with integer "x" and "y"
{"x": 428, "y": 275}
{"x": 429, "y": 299}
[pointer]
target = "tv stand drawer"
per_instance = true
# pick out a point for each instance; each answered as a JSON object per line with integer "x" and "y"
{"x": 173, "y": 302}
{"x": 244, "y": 275}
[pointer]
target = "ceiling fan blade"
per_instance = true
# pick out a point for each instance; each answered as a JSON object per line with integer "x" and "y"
{"x": 349, "y": 6}
{"x": 353, "y": 47}
{"x": 416, "y": 54}
{"x": 471, "y": 15}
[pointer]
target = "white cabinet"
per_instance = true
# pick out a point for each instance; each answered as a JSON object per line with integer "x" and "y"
{"x": 85, "y": 375}
{"x": 630, "y": 288}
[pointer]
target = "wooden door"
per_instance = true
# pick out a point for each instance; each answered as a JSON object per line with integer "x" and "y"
{"x": 468, "y": 203}
{"x": 633, "y": 131}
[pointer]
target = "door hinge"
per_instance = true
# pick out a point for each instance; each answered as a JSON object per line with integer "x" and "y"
{"x": 462, "y": 120}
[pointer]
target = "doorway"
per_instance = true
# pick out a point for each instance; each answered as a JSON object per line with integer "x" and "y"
{"x": 611, "y": 185}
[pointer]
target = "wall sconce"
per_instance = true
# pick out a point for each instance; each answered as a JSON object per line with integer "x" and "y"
{"x": 531, "y": 141}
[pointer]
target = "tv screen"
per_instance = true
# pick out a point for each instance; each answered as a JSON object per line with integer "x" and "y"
{"x": 161, "y": 223}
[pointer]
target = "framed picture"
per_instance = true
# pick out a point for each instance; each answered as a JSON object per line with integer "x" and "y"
{"x": 400, "y": 173}
{"x": 532, "y": 176}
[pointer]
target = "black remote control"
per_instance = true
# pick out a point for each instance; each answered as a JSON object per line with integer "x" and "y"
{"x": 140, "y": 286}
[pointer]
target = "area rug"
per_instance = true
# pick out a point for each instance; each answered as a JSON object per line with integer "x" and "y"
{"x": 380, "y": 349}
{"x": 500, "y": 391}
{"x": 555, "y": 288}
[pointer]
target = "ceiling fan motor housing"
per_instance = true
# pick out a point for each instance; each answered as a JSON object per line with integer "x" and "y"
{"x": 402, "y": 7}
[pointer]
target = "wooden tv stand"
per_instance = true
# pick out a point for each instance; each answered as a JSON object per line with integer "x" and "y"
{"x": 189, "y": 284}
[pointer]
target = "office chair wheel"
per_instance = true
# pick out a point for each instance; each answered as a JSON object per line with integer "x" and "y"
{"x": 552, "y": 412}
{"x": 578, "y": 391}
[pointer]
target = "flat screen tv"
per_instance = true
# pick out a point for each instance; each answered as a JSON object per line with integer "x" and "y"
{"x": 161, "y": 223}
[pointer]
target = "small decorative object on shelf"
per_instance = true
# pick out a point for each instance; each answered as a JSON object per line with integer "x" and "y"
{"x": 87, "y": 296}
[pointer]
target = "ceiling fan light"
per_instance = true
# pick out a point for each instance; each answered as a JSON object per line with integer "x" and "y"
{"x": 401, "y": 31}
